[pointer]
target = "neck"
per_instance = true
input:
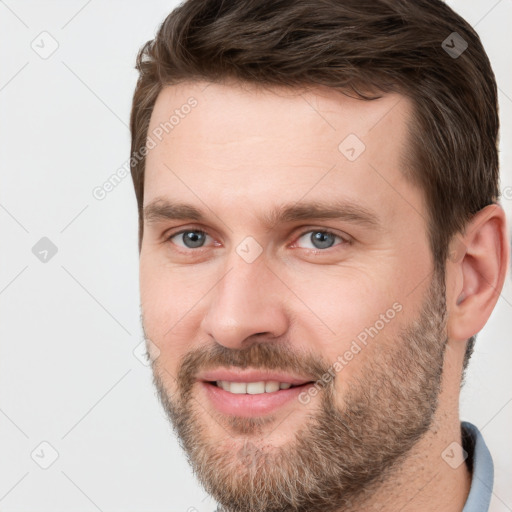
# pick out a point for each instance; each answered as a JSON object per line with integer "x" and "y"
{"x": 432, "y": 478}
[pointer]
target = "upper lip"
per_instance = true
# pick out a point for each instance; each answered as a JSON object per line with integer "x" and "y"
{"x": 237, "y": 375}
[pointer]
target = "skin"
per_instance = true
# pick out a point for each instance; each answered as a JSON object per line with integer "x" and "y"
{"x": 238, "y": 154}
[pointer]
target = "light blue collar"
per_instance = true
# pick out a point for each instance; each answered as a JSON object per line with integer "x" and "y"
{"x": 480, "y": 459}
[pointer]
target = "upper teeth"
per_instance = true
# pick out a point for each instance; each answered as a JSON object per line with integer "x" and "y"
{"x": 252, "y": 388}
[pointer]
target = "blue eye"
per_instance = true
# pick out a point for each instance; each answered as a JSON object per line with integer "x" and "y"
{"x": 191, "y": 238}
{"x": 320, "y": 239}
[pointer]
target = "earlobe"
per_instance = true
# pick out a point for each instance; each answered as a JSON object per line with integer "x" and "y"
{"x": 479, "y": 269}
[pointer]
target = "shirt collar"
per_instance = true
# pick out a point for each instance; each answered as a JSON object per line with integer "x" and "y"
{"x": 480, "y": 463}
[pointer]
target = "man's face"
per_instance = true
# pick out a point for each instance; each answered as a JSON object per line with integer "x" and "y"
{"x": 262, "y": 292}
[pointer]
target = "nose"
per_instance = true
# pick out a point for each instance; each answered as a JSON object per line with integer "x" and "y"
{"x": 246, "y": 302}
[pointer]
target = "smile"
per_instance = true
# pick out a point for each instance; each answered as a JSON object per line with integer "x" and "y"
{"x": 251, "y": 393}
{"x": 252, "y": 388}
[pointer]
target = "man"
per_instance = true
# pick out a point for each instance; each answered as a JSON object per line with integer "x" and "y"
{"x": 320, "y": 243}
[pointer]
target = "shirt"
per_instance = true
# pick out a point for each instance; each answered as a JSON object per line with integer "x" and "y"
{"x": 480, "y": 464}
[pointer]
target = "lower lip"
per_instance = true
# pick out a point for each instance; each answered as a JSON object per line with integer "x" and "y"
{"x": 250, "y": 406}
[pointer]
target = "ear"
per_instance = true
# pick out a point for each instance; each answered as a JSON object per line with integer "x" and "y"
{"x": 476, "y": 271}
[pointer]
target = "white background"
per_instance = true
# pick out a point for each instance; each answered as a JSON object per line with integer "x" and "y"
{"x": 68, "y": 327}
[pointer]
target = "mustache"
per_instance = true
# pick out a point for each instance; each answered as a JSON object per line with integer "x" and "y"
{"x": 268, "y": 355}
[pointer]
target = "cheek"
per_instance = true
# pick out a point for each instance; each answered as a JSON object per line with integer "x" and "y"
{"x": 170, "y": 302}
{"x": 164, "y": 291}
{"x": 353, "y": 311}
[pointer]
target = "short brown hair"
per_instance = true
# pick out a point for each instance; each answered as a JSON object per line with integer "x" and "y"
{"x": 363, "y": 47}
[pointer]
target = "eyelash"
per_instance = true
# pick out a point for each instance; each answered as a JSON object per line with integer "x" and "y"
{"x": 344, "y": 241}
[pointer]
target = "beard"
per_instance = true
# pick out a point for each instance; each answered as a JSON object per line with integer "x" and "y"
{"x": 341, "y": 454}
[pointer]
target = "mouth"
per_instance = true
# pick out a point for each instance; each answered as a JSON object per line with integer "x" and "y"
{"x": 253, "y": 388}
{"x": 252, "y": 394}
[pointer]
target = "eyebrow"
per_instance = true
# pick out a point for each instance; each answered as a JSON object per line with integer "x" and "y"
{"x": 164, "y": 210}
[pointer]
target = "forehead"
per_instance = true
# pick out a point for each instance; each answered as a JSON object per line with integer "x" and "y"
{"x": 230, "y": 142}
{"x": 244, "y": 112}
